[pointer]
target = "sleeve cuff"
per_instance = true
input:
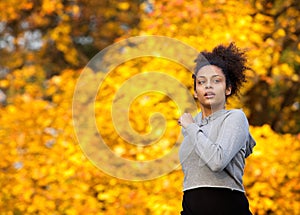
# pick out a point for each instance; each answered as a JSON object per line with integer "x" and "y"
{"x": 183, "y": 131}
{"x": 192, "y": 129}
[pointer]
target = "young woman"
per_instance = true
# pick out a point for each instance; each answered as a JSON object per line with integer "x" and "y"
{"x": 216, "y": 141}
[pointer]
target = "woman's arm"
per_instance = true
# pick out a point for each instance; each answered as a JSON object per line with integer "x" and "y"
{"x": 230, "y": 139}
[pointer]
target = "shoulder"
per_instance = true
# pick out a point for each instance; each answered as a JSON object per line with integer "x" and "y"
{"x": 236, "y": 115}
{"x": 236, "y": 112}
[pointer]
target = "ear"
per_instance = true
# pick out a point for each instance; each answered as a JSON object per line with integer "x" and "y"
{"x": 195, "y": 95}
{"x": 228, "y": 91}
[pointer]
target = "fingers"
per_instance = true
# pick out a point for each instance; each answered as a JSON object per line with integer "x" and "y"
{"x": 186, "y": 118}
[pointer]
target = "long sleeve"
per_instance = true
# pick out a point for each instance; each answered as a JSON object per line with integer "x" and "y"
{"x": 217, "y": 146}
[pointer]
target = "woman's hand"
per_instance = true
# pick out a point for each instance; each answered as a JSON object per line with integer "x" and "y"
{"x": 185, "y": 120}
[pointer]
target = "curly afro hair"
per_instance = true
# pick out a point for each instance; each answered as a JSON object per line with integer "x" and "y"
{"x": 230, "y": 59}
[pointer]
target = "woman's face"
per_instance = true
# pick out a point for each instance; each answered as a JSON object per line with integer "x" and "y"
{"x": 211, "y": 88}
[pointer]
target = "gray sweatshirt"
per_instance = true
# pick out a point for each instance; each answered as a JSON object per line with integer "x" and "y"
{"x": 214, "y": 149}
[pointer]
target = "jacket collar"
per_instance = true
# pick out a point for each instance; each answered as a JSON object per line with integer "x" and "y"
{"x": 211, "y": 117}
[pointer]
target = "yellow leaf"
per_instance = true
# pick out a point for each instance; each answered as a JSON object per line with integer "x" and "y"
{"x": 123, "y": 5}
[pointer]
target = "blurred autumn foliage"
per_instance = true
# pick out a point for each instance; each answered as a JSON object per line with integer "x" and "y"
{"x": 44, "y": 45}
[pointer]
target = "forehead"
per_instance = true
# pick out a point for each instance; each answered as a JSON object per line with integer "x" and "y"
{"x": 209, "y": 71}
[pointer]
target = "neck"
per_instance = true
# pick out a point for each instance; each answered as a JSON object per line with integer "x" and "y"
{"x": 209, "y": 111}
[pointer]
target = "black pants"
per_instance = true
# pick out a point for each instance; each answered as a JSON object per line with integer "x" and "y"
{"x": 214, "y": 201}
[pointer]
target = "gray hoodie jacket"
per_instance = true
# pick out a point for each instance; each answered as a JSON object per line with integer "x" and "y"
{"x": 214, "y": 149}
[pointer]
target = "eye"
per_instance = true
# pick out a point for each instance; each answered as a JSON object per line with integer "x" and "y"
{"x": 217, "y": 81}
{"x": 201, "y": 82}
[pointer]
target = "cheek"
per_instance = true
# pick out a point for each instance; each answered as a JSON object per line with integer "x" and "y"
{"x": 200, "y": 88}
{"x": 222, "y": 87}
{"x": 199, "y": 91}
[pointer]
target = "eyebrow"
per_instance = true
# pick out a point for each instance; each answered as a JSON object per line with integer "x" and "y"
{"x": 211, "y": 76}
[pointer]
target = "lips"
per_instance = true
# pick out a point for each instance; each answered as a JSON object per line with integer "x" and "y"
{"x": 209, "y": 95}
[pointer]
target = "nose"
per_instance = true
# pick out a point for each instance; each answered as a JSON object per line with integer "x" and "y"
{"x": 208, "y": 85}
